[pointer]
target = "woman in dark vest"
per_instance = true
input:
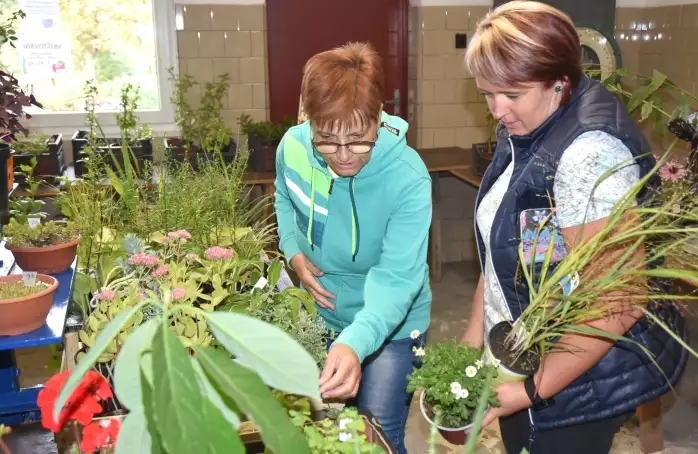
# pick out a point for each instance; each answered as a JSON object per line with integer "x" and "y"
{"x": 558, "y": 133}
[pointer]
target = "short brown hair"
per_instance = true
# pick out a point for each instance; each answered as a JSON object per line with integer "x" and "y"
{"x": 526, "y": 41}
{"x": 343, "y": 85}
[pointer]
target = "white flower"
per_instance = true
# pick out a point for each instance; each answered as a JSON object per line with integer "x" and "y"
{"x": 415, "y": 334}
{"x": 344, "y": 437}
{"x": 463, "y": 394}
{"x": 470, "y": 371}
{"x": 419, "y": 352}
{"x": 455, "y": 387}
{"x": 479, "y": 364}
{"x": 496, "y": 362}
{"x": 343, "y": 423}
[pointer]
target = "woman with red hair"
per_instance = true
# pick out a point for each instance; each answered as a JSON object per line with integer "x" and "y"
{"x": 353, "y": 203}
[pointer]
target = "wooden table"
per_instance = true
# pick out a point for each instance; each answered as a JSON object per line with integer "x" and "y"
{"x": 459, "y": 163}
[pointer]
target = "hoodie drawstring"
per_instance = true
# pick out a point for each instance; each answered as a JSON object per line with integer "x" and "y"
{"x": 312, "y": 210}
{"x": 355, "y": 232}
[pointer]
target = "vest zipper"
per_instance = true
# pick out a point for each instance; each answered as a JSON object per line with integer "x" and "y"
{"x": 331, "y": 186}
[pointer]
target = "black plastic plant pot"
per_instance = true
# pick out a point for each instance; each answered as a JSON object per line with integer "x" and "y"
{"x": 511, "y": 367}
{"x": 50, "y": 163}
{"x": 177, "y": 151}
{"x": 262, "y": 154}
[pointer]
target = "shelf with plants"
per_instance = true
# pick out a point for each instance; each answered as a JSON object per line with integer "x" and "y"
{"x": 135, "y": 144}
{"x": 263, "y": 137}
{"x": 203, "y": 136}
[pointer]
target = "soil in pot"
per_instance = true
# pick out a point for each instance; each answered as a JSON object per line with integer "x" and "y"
{"x": 525, "y": 364}
{"x": 24, "y": 309}
{"x": 46, "y": 260}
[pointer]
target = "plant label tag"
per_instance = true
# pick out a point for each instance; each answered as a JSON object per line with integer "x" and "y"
{"x": 284, "y": 280}
{"x": 29, "y": 278}
{"x": 261, "y": 283}
{"x": 33, "y": 222}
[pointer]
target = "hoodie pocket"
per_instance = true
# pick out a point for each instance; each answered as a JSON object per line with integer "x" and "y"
{"x": 350, "y": 298}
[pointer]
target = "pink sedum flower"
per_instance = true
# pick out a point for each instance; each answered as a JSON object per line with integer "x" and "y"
{"x": 106, "y": 294}
{"x": 180, "y": 234}
{"x": 672, "y": 171}
{"x": 178, "y": 294}
{"x": 160, "y": 271}
{"x": 219, "y": 253}
{"x": 143, "y": 259}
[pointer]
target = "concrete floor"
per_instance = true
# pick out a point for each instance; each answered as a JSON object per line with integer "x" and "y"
{"x": 452, "y": 299}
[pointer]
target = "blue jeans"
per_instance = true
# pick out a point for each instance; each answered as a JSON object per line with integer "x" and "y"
{"x": 383, "y": 387}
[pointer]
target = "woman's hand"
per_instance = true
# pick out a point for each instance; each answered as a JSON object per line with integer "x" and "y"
{"x": 513, "y": 398}
{"x": 307, "y": 273}
{"x": 341, "y": 375}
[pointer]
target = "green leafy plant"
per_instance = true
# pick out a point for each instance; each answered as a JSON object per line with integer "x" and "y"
{"x": 453, "y": 378}
{"x": 163, "y": 385}
{"x": 8, "y": 34}
{"x": 17, "y": 289}
{"x": 127, "y": 118}
{"x": 268, "y": 132}
{"x": 626, "y": 261}
{"x": 341, "y": 433}
{"x": 45, "y": 234}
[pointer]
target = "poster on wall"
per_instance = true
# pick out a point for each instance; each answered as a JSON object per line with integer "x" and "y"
{"x": 44, "y": 49}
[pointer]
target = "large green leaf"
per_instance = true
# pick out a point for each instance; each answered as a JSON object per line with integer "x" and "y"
{"x": 186, "y": 420}
{"x": 127, "y": 373}
{"x": 177, "y": 403}
{"x": 207, "y": 388}
{"x": 248, "y": 391}
{"x": 274, "y": 272}
{"x": 149, "y": 412}
{"x": 88, "y": 361}
{"x": 270, "y": 352}
{"x": 134, "y": 437}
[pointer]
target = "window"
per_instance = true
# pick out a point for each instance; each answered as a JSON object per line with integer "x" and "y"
{"x": 64, "y": 43}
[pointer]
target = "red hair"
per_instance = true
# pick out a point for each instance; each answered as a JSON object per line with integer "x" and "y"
{"x": 343, "y": 86}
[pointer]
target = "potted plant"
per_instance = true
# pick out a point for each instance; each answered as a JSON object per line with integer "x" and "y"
{"x": 135, "y": 141}
{"x": 46, "y": 150}
{"x": 263, "y": 138}
{"x": 25, "y": 302}
{"x": 203, "y": 136}
{"x": 452, "y": 379}
{"x": 570, "y": 287}
{"x": 48, "y": 248}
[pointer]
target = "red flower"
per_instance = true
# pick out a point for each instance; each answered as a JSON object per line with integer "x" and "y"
{"x": 81, "y": 406}
{"x": 100, "y": 434}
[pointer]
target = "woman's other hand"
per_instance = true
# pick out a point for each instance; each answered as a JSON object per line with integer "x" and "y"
{"x": 512, "y": 397}
{"x": 308, "y": 274}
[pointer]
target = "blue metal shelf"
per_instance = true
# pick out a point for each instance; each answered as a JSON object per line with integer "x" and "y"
{"x": 18, "y": 405}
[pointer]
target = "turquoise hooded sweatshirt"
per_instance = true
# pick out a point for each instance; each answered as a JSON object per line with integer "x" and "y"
{"x": 367, "y": 233}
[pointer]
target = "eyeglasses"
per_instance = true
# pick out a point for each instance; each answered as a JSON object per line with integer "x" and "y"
{"x": 359, "y": 147}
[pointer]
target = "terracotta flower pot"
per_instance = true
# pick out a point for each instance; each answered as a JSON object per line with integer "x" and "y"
{"x": 22, "y": 315}
{"x": 46, "y": 260}
{"x": 455, "y": 436}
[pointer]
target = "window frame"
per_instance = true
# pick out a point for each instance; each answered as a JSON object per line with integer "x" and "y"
{"x": 161, "y": 121}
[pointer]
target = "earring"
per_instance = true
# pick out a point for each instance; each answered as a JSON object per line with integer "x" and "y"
{"x": 558, "y": 89}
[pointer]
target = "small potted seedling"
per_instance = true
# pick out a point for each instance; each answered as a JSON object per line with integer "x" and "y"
{"x": 452, "y": 378}
{"x": 46, "y": 150}
{"x": 25, "y": 301}
{"x": 47, "y": 248}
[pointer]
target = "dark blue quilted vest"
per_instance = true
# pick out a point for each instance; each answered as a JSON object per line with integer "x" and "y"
{"x": 625, "y": 377}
